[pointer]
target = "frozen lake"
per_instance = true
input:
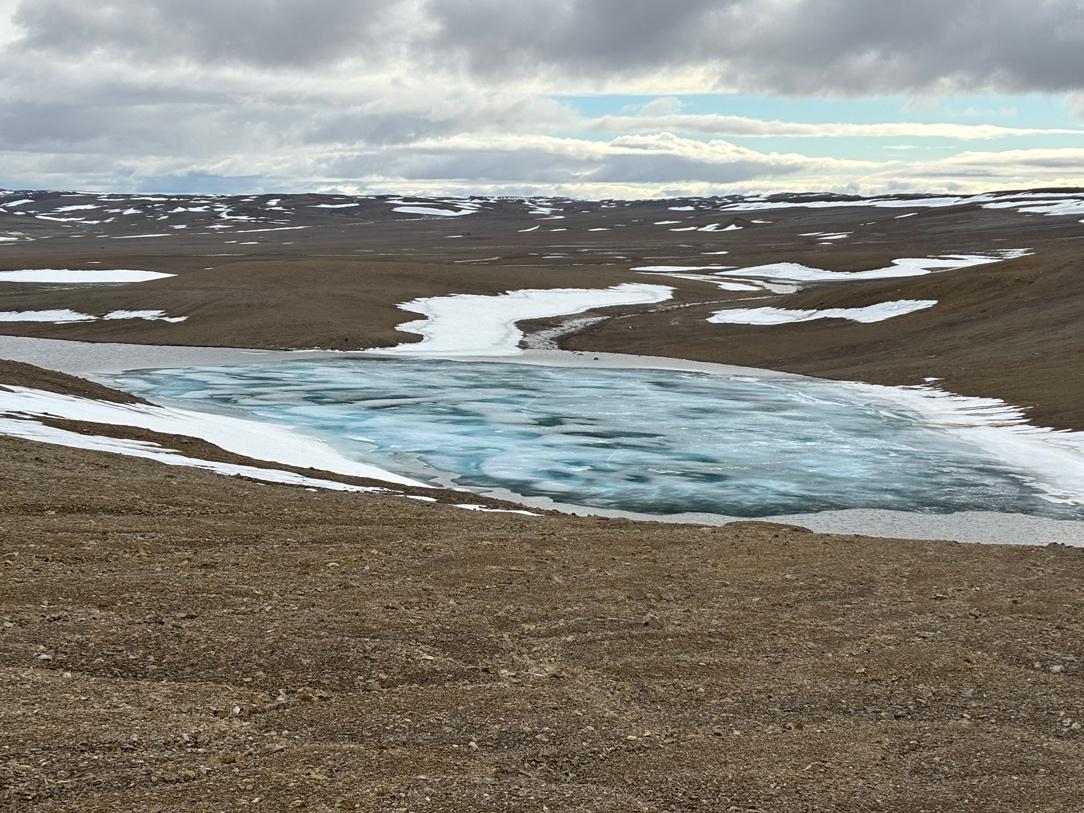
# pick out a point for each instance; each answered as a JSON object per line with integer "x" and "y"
{"x": 646, "y": 441}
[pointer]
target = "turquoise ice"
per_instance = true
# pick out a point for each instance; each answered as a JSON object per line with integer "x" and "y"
{"x": 654, "y": 442}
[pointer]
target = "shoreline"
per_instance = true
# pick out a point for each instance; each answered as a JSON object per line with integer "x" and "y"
{"x": 100, "y": 361}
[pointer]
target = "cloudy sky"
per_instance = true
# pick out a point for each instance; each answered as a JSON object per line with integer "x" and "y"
{"x": 589, "y": 98}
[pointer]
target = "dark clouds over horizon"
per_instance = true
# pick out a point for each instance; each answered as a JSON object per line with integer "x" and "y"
{"x": 466, "y": 94}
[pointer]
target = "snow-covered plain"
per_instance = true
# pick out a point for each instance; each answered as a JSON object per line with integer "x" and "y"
{"x": 891, "y": 203}
{"x": 784, "y": 316}
{"x": 1051, "y": 203}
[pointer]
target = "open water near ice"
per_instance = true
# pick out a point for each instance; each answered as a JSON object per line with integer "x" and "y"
{"x": 645, "y": 441}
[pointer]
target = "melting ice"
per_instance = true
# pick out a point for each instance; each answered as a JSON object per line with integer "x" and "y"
{"x": 647, "y": 441}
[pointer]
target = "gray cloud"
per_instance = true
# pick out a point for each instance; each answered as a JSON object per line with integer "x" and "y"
{"x": 629, "y": 160}
{"x": 598, "y": 36}
{"x": 782, "y": 46}
{"x": 787, "y": 46}
{"x": 268, "y": 33}
{"x": 281, "y": 94}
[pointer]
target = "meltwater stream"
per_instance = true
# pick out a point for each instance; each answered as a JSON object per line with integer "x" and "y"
{"x": 643, "y": 441}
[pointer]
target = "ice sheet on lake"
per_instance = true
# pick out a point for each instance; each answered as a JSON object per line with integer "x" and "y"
{"x": 661, "y": 442}
{"x": 478, "y": 325}
{"x": 784, "y": 316}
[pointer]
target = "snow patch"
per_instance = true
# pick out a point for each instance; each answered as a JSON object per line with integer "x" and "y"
{"x": 56, "y": 317}
{"x": 79, "y": 208}
{"x": 430, "y": 211}
{"x": 65, "y": 315}
{"x": 473, "y": 507}
{"x": 150, "y": 316}
{"x": 784, "y": 316}
{"x": 257, "y": 440}
{"x": 906, "y": 267}
{"x": 477, "y": 325}
{"x": 64, "y": 276}
{"x": 34, "y": 430}
{"x": 1052, "y": 209}
{"x": 667, "y": 269}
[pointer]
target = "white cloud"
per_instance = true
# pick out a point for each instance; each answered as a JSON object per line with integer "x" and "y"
{"x": 662, "y": 106}
{"x": 744, "y": 126}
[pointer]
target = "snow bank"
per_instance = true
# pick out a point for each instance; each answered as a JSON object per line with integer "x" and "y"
{"x": 64, "y": 315}
{"x": 784, "y": 316}
{"x": 667, "y": 269}
{"x": 477, "y": 325}
{"x": 34, "y": 430}
{"x": 1071, "y": 206}
{"x": 905, "y": 267}
{"x": 64, "y": 276}
{"x": 430, "y": 211}
{"x": 150, "y": 316}
{"x": 260, "y": 441}
{"x": 1054, "y": 459}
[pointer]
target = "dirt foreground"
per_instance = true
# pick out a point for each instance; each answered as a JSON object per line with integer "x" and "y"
{"x": 177, "y": 640}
